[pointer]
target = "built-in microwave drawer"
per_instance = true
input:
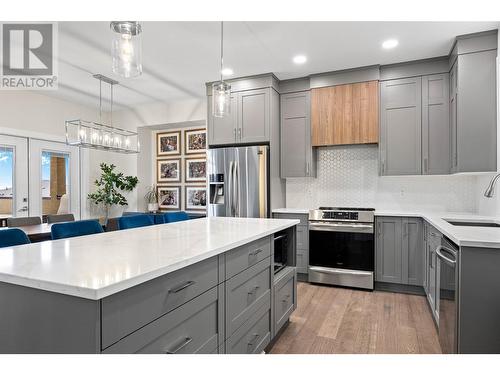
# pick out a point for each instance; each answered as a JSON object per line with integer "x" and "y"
{"x": 253, "y": 336}
{"x": 246, "y": 256}
{"x": 245, "y": 293}
{"x": 127, "y": 311}
{"x": 191, "y": 328}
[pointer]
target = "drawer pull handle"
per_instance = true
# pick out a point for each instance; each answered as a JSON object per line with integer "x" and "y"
{"x": 256, "y": 252}
{"x": 286, "y": 298}
{"x": 186, "y": 341}
{"x": 254, "y": 339}
{"x": 253, "y": 290}
{"x": 181, "y": 287}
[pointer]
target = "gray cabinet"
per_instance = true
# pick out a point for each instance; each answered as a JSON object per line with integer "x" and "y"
{"x": 453, "y": 118}
{"x": 413, "y": 256}
{"x": 297, "y": 154}
{"x": 436, "y": 153}
{"x": 254, "y": 116}
{"x": 389, "y": 252}
{"x": 475, "y": 109}
{"x": 398, "y": 251}
{"x": 285, "y": 297}
{"x": 400, "y": 126}
{"x": 248, "y": 122}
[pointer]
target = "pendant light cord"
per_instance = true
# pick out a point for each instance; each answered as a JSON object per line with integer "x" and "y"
{"x": 221, "y": 48}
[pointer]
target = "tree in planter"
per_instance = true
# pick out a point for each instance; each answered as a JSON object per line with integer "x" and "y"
{"x": 109, "y": 186}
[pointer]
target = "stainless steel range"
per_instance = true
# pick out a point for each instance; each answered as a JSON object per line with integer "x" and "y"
{"x": 342, "y": 246}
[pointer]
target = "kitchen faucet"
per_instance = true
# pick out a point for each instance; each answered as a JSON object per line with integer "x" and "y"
{"x": 490, "y": 190}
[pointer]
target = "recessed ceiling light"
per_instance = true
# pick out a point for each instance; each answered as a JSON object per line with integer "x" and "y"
{"x": 227, "y": 72}
{"x": 299, "y": 59}
{"x": 390, "y": 43}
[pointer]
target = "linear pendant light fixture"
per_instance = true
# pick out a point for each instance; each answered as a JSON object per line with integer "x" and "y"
{"x": 221, "y": 91}
{"x": 96, "y": 135}
{"x": 126, "y": 48}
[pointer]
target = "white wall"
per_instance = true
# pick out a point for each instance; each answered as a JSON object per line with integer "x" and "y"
{"x": 348, "y": 176}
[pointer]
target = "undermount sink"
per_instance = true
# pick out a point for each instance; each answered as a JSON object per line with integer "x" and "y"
{"x": 484, "y": 224}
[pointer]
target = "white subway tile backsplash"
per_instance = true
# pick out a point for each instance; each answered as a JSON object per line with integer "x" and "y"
{"x": 348, "y": 176}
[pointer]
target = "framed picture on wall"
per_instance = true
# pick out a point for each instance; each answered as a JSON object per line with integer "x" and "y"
{"x": 196, "y": 141}
{"x": 168, "y": 170}
{"x": 169, "y": 197}
{"x": 195, "y": 169}
{"x": 168, "y": 144}
{"x": 196, "y": 198}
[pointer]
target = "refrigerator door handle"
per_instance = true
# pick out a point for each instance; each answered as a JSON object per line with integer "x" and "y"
{"x": 230, "y": 189}
{"x": 236, "y": 190}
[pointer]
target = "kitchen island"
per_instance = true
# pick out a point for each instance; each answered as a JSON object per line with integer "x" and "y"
{"x": 198, "y": 286}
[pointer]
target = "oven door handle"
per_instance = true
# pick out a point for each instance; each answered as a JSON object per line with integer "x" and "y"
{"x": 344, "y": 227}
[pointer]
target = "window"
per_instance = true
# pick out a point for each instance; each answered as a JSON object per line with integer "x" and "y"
{"x": 55, "y": 183}
{"x": 6, "y": 180}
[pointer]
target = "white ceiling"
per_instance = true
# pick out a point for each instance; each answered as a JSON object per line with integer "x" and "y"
{"x": 179, "y": 57}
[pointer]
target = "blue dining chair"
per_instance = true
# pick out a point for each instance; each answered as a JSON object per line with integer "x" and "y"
{"x": 172, "y": 217}
{"x": 135, "y": 221}
{"x": 75, "y": 229}
{"x": 13, "y": 237}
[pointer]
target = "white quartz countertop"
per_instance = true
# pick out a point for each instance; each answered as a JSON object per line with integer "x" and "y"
{"x": 461, "y": 235}
{"x": 100, "y": 265}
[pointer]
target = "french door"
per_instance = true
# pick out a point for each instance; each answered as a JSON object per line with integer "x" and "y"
{"x": 13, "y": 177}
{"x": 54, "y": 178}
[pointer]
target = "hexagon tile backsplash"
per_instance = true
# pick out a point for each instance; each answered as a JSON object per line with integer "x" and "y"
{"x": 348, "y": 176}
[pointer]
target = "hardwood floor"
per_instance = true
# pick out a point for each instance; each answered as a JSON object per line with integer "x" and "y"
{"x": 337, "y": 320}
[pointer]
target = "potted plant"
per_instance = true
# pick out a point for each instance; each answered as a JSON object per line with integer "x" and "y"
{"x": 152, "y": 199}
{"x": 109, "y": 186}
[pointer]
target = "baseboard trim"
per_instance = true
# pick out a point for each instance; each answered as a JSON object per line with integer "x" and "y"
{"x": 399, "y": 288}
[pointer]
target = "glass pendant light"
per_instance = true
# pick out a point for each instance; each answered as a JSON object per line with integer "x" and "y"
{"x": 126, "y": 48}
{"x": 221, "y": 91}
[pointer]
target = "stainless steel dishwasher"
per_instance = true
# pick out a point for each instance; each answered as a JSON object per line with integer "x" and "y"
{"x": 448, "y": 255}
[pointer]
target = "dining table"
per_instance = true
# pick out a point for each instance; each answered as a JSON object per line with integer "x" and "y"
{"x": 37, "y": 232}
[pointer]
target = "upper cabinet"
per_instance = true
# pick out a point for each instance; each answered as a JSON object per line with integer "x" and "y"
{"x": 297, "y": 154}
{"x": 345, "y": 114}
{"x": 254, "y": 113}
{"x": 401, "y": 126}
{"x": 436, "y": 153}
{"x": 473, "y": 112}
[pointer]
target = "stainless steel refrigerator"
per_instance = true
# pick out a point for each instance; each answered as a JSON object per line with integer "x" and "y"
{"x": 238, "y": 181}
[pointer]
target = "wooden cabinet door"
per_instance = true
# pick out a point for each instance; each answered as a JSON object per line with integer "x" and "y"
{"x": 388, "y": 250}
{"x": 400, "y": 127}
{"x": 253, "y": 116}
{"x": 436, "y": 154}
{"x": 296, "y": 149}
{"x": 222, "y": 130}
{"x": 345, "y": 114}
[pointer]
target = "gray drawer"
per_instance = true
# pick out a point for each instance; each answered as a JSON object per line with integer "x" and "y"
{"x": 245, "y": 293}
{"x": 127, "y": 311}
{"x": 284, "y": 299}
{"x": 191, "y": 328}
{"x": 302, "y": 261}
{"x": 302, "y": 237}
{"x": 246, "y": 256}
{"x": 304, "y": 218}
{"x": 253, "y": 336}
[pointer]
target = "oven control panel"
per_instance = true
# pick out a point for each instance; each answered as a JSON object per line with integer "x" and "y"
{"x": 339, "y": 215}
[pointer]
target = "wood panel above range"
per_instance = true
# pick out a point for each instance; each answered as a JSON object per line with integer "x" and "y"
{"x": 345, "y": 114}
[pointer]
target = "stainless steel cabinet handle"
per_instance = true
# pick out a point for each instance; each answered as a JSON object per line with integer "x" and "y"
{"x": 186, "y": 341}
{"x": 256, "y": 252}
{"x": 426, "y": 168}
{"x": 254, "y": 289}
{"x": 383, "y": 167}
{"x": 307, "y": 169}
{"x": 234, "y": 131}
{"x": 284, "y": 300}
{"x": 255, "y": 337}
{"x": 181, "y": 287}
{"x": 239, "y": 134}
